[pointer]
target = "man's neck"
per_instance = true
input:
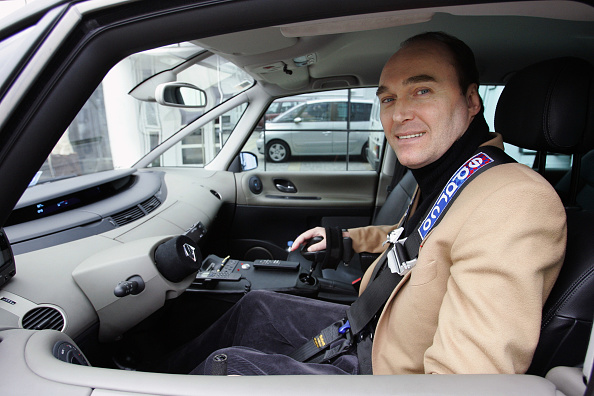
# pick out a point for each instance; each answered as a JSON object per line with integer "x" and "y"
{"x": 433, "y": 177}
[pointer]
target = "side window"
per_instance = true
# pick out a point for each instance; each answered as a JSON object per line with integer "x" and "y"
{"x": 284, "y": 106}
{"x": 322, "y": 131}
{"x": 316, "y": 112}
{"x": 288, "y": 116}
{"x": 360, "y": 111}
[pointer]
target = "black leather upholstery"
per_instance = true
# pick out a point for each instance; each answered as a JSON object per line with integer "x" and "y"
{"x": 568, "y": 312}
{"x": 549, "y": 107}
{"x": 585, "y": 187}
{"x": 397, "y": 201}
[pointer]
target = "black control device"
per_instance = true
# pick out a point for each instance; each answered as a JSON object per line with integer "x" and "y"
{"x": 276, "y": 265}
{"x": 213, "y": 269}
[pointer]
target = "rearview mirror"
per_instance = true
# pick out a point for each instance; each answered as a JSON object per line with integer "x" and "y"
{"x": 178, "y": 94}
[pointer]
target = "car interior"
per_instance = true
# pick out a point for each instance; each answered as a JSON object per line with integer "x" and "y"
{"x": 138, "y": 208}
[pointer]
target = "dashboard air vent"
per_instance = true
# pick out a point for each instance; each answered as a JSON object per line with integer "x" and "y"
{"x": 136, "y": 212}
{"x": 150, "y": 204}
{"x": 128, "y": 216}
{"x": 43, "y": 318}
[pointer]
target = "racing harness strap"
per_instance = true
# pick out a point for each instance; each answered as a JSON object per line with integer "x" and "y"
{"x": 359, "y": 324}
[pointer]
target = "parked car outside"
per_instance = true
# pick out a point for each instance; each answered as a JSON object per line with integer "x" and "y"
{"x": 278, "y": 107}
{"x": 318, "y": 127}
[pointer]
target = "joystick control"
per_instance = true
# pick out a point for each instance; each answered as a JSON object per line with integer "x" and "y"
{"x": 315, "y": 258}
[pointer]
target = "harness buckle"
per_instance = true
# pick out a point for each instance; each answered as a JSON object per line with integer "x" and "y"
{"x": 398, "y": 259}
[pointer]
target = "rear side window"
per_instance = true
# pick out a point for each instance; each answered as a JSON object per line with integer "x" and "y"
{"x": 359, "y": 111}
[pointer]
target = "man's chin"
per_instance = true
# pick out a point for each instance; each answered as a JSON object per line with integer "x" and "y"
{"x": 410, "y": 161}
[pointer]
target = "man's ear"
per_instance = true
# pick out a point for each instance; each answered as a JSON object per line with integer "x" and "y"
{"x": 473, "y": 100}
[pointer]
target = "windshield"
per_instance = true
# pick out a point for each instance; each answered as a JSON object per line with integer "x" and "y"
{"x": 122, "y": 122}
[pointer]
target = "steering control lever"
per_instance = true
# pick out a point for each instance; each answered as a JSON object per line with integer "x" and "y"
{"x": 314, "y": 257}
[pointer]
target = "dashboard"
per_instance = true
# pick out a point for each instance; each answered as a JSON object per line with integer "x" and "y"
{"x": 58, "y": 212}
{"x": 76, "y": 240}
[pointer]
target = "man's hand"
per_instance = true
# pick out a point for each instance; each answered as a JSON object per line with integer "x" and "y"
{"x": 307, "y": 235}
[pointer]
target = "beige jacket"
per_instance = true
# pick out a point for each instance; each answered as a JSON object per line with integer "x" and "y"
{"x": 473, "y": 301}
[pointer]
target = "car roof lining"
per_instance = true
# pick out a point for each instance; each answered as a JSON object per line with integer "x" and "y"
{"x": 341, "y": 44}
{"x": 554, "y": 10}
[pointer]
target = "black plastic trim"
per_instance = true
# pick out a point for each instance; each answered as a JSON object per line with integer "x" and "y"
{"x": 303, "y": 197}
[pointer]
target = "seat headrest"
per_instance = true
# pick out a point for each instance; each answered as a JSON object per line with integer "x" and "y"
{"x": 549, "y": 106}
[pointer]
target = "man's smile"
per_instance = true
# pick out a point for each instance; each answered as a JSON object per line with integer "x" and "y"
{"x": 410, "y": 136}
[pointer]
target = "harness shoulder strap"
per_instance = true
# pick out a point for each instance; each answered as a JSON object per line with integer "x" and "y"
{"x": 484, "y": 158}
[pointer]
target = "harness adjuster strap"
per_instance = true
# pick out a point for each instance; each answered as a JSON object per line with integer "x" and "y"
{"x": 338, "y": 347}
{"x": 323, "y": 341}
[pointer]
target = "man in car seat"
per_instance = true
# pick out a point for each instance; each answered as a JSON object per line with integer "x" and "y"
{"x": 472, "y": 301}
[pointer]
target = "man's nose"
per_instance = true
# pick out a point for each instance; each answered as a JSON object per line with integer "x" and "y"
{"x": 402, "y": 111}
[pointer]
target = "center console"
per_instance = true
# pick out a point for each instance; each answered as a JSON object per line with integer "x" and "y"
{"x": 219, "y": 275}
{"x": 227, "y": 276}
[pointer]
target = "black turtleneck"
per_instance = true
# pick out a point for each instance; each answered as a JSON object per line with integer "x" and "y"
{"x": 433, "y": 177}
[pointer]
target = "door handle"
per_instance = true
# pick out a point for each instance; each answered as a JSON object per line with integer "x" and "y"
{"x": 285, "y": 186}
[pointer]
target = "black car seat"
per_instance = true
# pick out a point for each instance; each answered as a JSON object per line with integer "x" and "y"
{"x": 549, "y": 107}
{"x": 584, "y": 197}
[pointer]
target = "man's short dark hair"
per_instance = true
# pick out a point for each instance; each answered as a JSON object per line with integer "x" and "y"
{"x": 463, "y": 56}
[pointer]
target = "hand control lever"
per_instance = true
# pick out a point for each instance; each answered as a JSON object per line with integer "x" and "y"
{"x": 314, "y": 257}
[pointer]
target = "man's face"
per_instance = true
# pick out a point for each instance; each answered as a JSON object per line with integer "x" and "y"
{"x": 423, "y": 110}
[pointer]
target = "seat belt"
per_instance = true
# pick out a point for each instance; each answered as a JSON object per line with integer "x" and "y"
{"x": 400, "y": 257}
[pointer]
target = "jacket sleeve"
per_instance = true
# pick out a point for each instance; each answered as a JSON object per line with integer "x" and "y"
{"x": 371, "y": 238}
{"x": 505, "y": 260}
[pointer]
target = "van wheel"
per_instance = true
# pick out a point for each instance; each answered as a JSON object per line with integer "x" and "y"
{"x": 277, "y": 151}
{"x": 364, "y": 150}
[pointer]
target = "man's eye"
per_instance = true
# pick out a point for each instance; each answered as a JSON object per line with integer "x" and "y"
{"x": 386, "y": 100}
{"x": 423, "y": 91}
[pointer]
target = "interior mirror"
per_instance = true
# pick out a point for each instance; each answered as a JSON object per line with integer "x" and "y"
{"x": 178, "y": 94}
{"x": 248, "y": 161}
